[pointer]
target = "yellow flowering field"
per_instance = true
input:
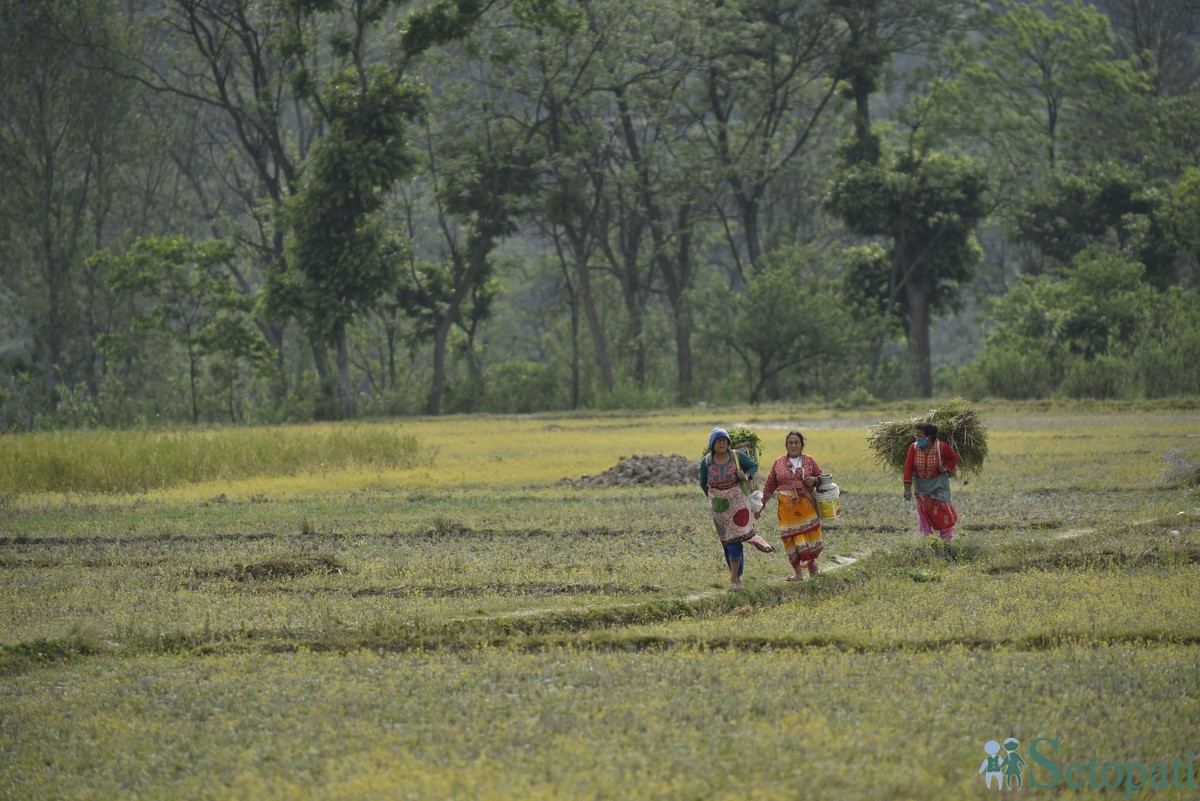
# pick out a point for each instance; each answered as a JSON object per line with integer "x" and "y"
{"x": 420, "y": 609}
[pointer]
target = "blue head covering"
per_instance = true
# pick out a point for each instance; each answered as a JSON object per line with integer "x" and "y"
{"x": 716, "y": 434}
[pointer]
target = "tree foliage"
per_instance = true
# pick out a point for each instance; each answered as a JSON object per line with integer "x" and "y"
{"x": 925, "y": 208}
{"x": 1101, "y": 331}
{"x": 187, "y": 296}
{"x": 450, "y": 205}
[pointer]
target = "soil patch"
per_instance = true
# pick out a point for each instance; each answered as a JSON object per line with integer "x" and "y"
{"x": 642, "y": 471}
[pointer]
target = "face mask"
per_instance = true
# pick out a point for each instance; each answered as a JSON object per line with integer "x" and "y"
{"x": 922, "y": 443}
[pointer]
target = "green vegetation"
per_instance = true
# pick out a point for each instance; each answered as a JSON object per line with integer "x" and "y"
{"x": 347, "y": 209}
{"x": 466, "y": 628}
{"x": 134, "y": 461}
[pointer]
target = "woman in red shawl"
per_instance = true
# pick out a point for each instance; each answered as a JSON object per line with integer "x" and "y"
{"x": 931, "y": 462}
{"x": 794, "y": 475}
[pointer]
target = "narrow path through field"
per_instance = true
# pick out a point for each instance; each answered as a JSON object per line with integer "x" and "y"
{"x": 830, "y": 564}
{"x": 837, "y": 562}
{"x": 833, "y": 563}
{"x": 1079, "y": 532}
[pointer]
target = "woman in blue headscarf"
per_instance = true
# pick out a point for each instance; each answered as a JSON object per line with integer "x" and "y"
{"x": 722, "y": 470}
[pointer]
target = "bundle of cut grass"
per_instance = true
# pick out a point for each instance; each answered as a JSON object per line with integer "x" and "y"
{"x": 959, "y": 423}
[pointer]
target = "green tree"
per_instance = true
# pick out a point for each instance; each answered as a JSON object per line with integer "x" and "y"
{"x": 1100, "y": 331}
{"x": 1161, "y": 37}
{"x": 240, "y": 75}
{"x": 764, "y": 77}
{"x": 187, "y": 296}
{"x": 347, "y": 261}
{"x": 797, "y": 332}
{"x": 1106, "y": 203}
{"x": 65, "y": 133}
{"x": 926, "y": 208}
{"x": 1183, "y": 216}
{"x": 1043, "y": 89}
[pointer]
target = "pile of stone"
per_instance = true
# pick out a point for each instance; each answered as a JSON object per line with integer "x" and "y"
{"x": 642, "y": 471}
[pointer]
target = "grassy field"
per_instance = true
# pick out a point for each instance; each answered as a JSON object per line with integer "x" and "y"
{"x": 418, "y": 610}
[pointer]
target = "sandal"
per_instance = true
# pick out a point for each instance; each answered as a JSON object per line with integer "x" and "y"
{"x": 800, "y": 577}
{"x": 758, "y": 542}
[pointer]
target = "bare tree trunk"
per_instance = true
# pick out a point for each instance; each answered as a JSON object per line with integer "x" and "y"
{"x": 918, "y": 336}
{"x": 345, "y": 392}
{"x": 678, "y": 278}
{"x": 438, "y": 384}
{"x": 588, "y": 304}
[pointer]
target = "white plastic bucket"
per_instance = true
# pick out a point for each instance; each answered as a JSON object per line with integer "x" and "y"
{"x": 828, "y": 505}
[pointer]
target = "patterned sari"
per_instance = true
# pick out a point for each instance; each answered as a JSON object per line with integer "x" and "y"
{"x": 935, "y": 511}
{"x": 731, "y": 512}
{"x": 727, "y": 501}
{"x": 799, "y": 527}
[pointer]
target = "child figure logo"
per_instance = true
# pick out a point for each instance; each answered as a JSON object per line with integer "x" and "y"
{"x": 1006, "y": 770}
{"x": 992, "y": 764}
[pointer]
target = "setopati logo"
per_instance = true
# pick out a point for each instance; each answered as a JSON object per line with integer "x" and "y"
{"x": 1004, "y": 764}
{"x": 1003, "y": 768}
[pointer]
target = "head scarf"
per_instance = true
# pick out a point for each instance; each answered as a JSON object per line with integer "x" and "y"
{"x": 716, "y": 434}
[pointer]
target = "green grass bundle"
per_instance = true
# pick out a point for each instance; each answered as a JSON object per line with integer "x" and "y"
{"x": 748, "y": 440}
{"x": 744, "y": 440}
{"x": 959, "y": 423}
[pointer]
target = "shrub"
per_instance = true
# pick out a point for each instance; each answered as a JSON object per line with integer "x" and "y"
{"x": 1103, "y": 377}
{"x": 521, "y": 386}
{"x": 1008, "y": 373}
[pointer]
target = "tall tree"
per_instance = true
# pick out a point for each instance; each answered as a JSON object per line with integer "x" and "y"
{"x": 345, "y": 259}
{"x": 65, "y": 133}
{"x": 662, "y": 192}
{"x": 479, "y": 181}
{"x": 764, "y": 78}
{"x": 1047, "y": 81}
{"x": 926, "y": 207}
{"x": 1160, "y": 35}
{"x": 188, "y": 296}
{"x": 622, "y": 191}
{"x": 241, "y": 73}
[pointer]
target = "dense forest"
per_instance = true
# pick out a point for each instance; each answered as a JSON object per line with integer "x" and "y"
{"x": 285, "y": 210}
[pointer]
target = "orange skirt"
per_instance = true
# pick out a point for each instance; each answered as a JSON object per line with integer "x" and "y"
{"x": 799, "y": 528}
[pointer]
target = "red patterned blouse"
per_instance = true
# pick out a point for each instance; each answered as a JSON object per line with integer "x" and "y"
{"x": 783, "y": 477}
{"x": 924, "y": 461}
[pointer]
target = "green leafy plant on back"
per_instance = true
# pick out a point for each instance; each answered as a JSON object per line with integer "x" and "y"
{"x": 746, "y": 440}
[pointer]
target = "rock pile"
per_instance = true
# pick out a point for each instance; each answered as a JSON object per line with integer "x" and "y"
{"x": 642, "y": 471}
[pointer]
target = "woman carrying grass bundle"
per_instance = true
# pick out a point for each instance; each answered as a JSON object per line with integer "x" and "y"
{"x": 794, "y": 475}
{"x": 721, "y": 475}
{"x": 931, "y": 462}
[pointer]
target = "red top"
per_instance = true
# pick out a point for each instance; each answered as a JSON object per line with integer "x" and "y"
{"x": 924, "y": 461}
{"x": 782, "y": 476}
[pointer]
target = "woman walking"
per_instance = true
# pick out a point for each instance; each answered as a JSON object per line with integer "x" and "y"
{"x": 931, "y": 462}
{"x": 721, "y": 472}
{"x": 792, "y": 478}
